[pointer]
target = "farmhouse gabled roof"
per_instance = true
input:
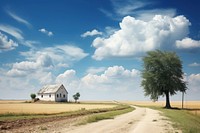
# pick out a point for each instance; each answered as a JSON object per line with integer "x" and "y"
{"x": 50, "y": 88}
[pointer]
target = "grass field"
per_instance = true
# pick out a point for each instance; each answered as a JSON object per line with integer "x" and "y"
{"x": 40, "y": 108}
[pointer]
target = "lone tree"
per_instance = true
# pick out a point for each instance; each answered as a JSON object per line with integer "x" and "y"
{"x": 162, "y": 75}
{"x": 76, "y": 96}
{"x": 33, "y": 96}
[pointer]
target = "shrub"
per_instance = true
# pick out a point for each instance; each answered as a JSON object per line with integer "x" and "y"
{"x": 33, "y": 96}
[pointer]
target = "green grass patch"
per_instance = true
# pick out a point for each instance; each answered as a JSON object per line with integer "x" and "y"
{"x": 182, "y": 119}
{"x": 106, "y": 115}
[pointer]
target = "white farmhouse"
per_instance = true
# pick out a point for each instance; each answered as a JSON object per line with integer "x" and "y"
{"x": 56, "y": 93}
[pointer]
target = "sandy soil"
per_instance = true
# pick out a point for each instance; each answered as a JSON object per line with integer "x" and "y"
{"x": 141, "y": 120}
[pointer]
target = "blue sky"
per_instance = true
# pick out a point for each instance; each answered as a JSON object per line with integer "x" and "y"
{"x": 94, "y": 47}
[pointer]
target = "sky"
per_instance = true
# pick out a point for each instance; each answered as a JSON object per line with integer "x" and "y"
{"x": 94, "y": 47}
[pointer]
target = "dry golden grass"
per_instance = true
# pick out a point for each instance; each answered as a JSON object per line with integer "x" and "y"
{"x": 187, "y": 104}
{"x": 192, "y": 106}
{"x": 97, "y": 102}
{"x": 11, "y": 101}
{"x": 38, "y": 108}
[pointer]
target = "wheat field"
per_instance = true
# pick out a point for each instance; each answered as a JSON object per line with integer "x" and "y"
{"x": 191, "y": 106}
{"x": 187, "y": 104}
{"x": 40, "y": 108}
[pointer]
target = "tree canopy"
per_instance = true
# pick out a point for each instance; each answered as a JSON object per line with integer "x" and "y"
{"x": 76, "y": 96}
{"x": 33, "y": 96}
{"x": 162, "y": 75}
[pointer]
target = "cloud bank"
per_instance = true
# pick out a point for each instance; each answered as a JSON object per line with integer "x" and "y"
{"x": 47, "y": 58}
{"x": 115, "y": 77}
{"x": 137, "y": 36}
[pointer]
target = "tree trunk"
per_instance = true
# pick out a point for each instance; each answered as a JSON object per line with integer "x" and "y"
{"x": 168, "y": 106}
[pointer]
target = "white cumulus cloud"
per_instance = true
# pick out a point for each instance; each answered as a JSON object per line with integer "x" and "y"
{"x": 61, "y": 55}
{"x": 116, "y": 77}
{"x": 16, "y": 73}
{"x": 45, "y": 59}
{"x": 115, "y": 80}
{"x": 187, "y": 43}
{"x": 137, "y": 36}
{"x": 40, "y": 67}
{"x": 69, "y": 79}
{"x": 48, "y": 33}
{"x": 67, "y": 76}
{"x": 6, "y": 44}
{"x": 26, "y": 67}
{"x": 91, "y": 33}
{"x": 121, "y": 72}
{"x": 147, "y": 15}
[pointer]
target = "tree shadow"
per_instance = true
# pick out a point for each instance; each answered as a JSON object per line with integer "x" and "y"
{"x": 191, "y": 109}
{"x": 188, "y": 109}
{"x": 172, "y": 108}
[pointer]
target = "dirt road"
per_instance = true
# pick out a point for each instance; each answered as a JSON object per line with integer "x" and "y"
{"x": 141, "y": 120}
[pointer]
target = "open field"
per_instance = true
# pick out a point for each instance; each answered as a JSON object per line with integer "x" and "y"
{"x": 187, "y": 104}
{"x": 21, "y": 122}
{"x": 40, "y": 108}
{"x": 11, "y": 101}
{"x": 49, "y": 108}
{"x": 192, "y": 106}
{"x": 89, "y": 111}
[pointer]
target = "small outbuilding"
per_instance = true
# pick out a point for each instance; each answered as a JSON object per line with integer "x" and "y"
{"x": 56, "y": 93}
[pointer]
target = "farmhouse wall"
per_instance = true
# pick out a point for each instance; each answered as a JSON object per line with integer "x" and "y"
{"x": 46, "y": 97}
{"x": 61, "y": 95}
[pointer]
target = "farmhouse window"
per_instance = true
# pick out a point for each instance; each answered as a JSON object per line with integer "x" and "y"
{"x": 64, "y": 95}
{"x": 57, "y": 95}
{"x": 50, "y": 95}
{"x": 41, "y": 96}
{"x": 60, "y": 95}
